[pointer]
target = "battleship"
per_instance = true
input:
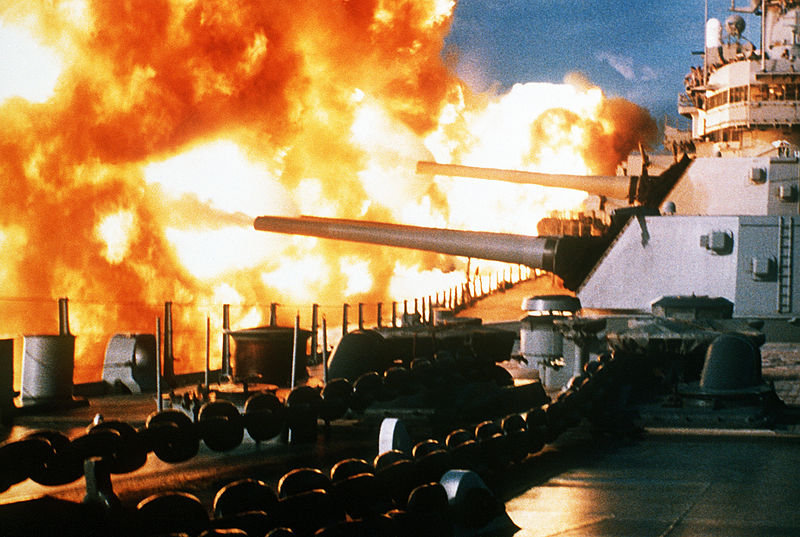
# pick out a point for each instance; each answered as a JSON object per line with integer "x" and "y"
{"x": 639, "y": 404}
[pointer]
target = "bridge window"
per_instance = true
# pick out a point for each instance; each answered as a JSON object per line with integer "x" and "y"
{"x": 738, "y": 94}
{"x": 755, "y": 93}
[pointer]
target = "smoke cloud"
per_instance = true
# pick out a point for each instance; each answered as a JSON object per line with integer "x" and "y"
{"x": 333, "y": 101}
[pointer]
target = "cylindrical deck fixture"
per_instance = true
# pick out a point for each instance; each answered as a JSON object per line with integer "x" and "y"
{"x": 169, "y": 358}
{"x": 394, "y": 314}
{"x": 47, "y": 365}
{"x": 542, "y": 343}
{"x": 380, "y": 315}
{"x": 361, "y": 316}
{"x": 48, "y": 362}
{"x": 345, "y": 307}
{"x": 226, "y": 341}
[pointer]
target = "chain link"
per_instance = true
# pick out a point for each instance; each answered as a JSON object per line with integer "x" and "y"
{"x": 220, "y": 426}
{"x": 130, "y": 453}
{"x": 61, "y": 464}
{"x": 172, "y": 436}
{"x": 19, "y": 460}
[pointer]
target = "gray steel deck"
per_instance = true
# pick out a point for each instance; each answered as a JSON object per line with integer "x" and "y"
{"x": 668, "y": 483}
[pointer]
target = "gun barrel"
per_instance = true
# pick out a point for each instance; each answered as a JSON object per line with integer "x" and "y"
{"x": 610, "y": 186}
{"x": 560, "y": 255}
{"x": 534, "y": 252}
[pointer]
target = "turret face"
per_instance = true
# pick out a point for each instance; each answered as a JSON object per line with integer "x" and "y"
{"x": 743, "y": 100}
{"x": 747, "y": 260}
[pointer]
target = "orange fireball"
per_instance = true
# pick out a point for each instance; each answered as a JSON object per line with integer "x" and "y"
{"x": 147, "y": 133}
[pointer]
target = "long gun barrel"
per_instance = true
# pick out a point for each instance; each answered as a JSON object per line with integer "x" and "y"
{"x": 560, "y": 255}
{"x": 610, "y": 186}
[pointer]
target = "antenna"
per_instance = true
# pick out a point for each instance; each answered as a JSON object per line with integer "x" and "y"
{"x": 753, "y": 9}
{"x": 705, "y": 44}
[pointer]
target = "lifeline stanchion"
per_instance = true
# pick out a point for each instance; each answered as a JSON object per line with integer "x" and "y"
{"x": 159, "y": 398}
{"x": 168, "y": 357}
{"x": 295, "y": 350}
{"x": 314, "y": 332}
{"x": 292, "y": 381}
{"x": 324, "y": 350}
{"x": 207, "y": 372}
{"x": 226, "y": 344}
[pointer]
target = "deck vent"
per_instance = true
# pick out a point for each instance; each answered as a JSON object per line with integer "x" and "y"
{"x": 758, "y": 176}
{"x": 718, "y": 242}
{"x": 763, "y": 268}
{"x": 787, "y": 192}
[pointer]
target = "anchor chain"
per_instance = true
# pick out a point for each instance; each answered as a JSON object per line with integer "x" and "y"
{"x": 50, "y": 458}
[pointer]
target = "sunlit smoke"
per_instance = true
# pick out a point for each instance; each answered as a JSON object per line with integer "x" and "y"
{"x": 28, "y": 69}
{"x": 154, "y": 131}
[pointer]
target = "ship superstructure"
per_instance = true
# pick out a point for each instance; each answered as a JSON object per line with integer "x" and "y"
{"x": 743, "y": 100}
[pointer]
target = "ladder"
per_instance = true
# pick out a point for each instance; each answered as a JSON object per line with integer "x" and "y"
{"x": 785, "y": 253}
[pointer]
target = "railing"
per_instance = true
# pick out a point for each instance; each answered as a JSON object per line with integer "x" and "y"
{"x": 198, "y": 326}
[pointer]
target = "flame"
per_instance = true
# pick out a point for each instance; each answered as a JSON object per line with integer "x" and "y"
{"x": 116, "y": 231}
{"x": 29, "y": 69}
{"x": 153, "y": 131}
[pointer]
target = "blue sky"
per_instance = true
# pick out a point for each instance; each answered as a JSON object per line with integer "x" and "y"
{"x": 637, "y": 49}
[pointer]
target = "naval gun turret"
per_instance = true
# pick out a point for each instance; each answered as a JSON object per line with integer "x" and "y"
{"x": 722, "y": 222}
{"x": 568, "y": 256}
